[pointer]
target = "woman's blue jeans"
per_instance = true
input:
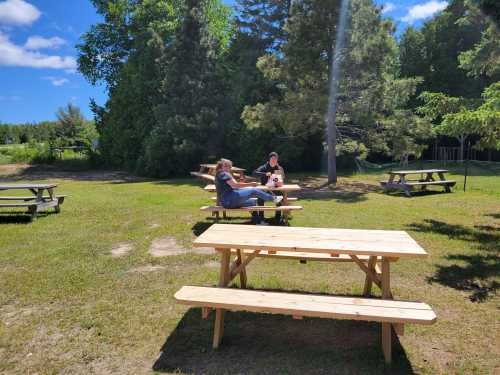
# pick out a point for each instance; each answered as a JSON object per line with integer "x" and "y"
{"x": 243, "y": 197}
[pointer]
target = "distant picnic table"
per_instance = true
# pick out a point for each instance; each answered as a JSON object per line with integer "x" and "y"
{"x": 207, "y": 172}
{"x": 407, "y": 185}
{"x": 36, "y": 202}
{"x": 371, "y": 250}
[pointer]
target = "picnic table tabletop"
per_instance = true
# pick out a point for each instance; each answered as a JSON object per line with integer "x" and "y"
{"x": 213, "y": 166}
{"x": 385, "y": 243}
{"x": 27, "y": 186}
{"x": 419, "y": 171}
{"x": 284, "y": 188}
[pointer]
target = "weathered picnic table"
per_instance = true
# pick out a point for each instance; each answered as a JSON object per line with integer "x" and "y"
{"x": 285, "y": 203}
{"x": 407, "y": 185}
{"x": 371, "y": 250}
{"x": 207, "y": 172}
{"x": 37, "y": 201}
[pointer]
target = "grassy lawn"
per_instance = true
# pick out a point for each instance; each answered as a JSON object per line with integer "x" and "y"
{"x": 69, "y": 305}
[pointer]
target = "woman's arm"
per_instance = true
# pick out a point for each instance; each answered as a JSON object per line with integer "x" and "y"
{"x": 238, "y": 185}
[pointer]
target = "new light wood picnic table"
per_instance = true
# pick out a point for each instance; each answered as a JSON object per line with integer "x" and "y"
{"x": 355, "y": 243}
{"x": 386, "y": 244}
{"x": 37, "y": 201}
{"x": 403, "y": 183}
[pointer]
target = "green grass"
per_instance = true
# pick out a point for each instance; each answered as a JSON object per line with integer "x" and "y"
{"x": 68, "y": 306}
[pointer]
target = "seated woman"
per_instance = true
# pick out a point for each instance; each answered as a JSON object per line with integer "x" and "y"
{"x": 233, "y": 194}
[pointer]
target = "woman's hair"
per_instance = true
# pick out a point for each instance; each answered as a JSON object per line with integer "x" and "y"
{"x": 221, "y": 163}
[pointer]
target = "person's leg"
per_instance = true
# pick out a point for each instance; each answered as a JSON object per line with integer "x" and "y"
{"x": 243, "y": 195}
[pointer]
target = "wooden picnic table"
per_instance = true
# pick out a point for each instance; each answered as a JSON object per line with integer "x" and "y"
{"x": 207, "y": 172}
{"x": 247, "y": 242}
{"x": 385, "y": 244}
{"x": 284, "y": 189}
{"x": 407, "y": 185}
{"x": 37, "y": 201}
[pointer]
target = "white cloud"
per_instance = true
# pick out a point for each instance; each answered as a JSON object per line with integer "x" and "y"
{"x": 18, "y": 13}
{"x": 14, "y": 55}
{"x": 56, "y": 81}
{"x": 388, "y": 7}
{"x": 38, "y": 42}
{"x": 425, "y": 10}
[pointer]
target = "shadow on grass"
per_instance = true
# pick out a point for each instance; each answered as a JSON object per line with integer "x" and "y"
{"x": 16, "y": 217}
{"x": 474, "y": 273}
{"x": 345, "y": 191}
{"x": 275, "y": 344}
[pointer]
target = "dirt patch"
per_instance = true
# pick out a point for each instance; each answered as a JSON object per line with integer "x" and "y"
{"x": 14, "y": 172}
{"x": 146, "y": 269}
{"x": 168, "y": 246}
{"x": 121, "y": 249}
{"x": 154, "y": 226}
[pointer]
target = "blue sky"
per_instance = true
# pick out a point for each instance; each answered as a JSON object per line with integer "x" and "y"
{"x": 38, "y": 56}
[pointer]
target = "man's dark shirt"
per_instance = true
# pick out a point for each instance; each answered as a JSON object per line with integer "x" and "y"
{"x": 266, "y": 168}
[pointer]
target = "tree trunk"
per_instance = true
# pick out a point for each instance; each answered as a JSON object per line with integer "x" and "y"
{"x": 335, "y": 59}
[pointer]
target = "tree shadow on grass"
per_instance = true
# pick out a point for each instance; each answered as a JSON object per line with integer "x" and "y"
{"x": 276, "y": 344}
{"x": 345, "y": 191}
{"x": 475, "y": 273}
{"x": 16, "y": 217}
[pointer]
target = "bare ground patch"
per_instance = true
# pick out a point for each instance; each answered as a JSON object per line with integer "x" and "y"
{"x": 168, "y": 246}
{"x": 147, "y": 268}
{"x": 121, "y": 249}
{"x": 318, "y": 188}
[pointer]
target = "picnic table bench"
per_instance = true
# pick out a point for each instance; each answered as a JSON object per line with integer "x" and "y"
{"x": 285, "y": 207}
{"x": 371, "y": 250}
{"x": 36, "y": 202}
{"x": 407, "y": 185}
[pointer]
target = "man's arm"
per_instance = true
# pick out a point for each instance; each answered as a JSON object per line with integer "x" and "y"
{"x": 259, "y": 172}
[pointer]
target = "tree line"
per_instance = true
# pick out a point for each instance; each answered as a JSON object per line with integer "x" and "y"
{"x": 192, "y": 80}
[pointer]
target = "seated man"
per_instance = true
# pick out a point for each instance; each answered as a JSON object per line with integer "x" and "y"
{"x": 264, "y": 172}
{"x": 233, "y": 194}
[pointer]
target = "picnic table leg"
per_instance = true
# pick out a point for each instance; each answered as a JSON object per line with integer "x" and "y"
{"x": 386, "y": 294}
{"x": 286, "y": 214}
{"x": 223, "y": 281}
{"x": 368, "y": 281}
{"x": 442, "y": 178}
{"x": 243, "y": 272}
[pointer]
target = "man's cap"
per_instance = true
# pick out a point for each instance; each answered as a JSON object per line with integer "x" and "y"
{"x": 271, "y": 154}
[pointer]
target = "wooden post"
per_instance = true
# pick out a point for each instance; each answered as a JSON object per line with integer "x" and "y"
{"x": 218, "y": 327}
{"x": 386, "y": 279}
{"x": 368, "y": 281}
{"x": 387, "y": 342}
{"x": 243, "y": 272}
{"x": 223, "y": 281}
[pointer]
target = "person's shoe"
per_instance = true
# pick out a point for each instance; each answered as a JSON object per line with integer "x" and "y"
{"x": 263, "y": 223}
{"x": 277, "y": 199}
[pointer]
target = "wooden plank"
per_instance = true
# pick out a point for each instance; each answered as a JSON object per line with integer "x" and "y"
{"x": 296, "y": 255}
{"x": 251, "y": 208}
{"x": 33, "y": 204}
{"x": 284, "y": 188}
{"x": 204, "y": 176}
{"x": 368, "y": 280}
{"x": 418, "y": 171}
{"x": 27, "y": 186}
{"x": 386, "y": 279}
{"x": 218, "y": 328}
{"x": 388, "y": 243}
{"x": 26, "y": 198}
{"x": 243, "y": 272}
{"x": 224, "y": 268}
{"x": 420, "y": 183}
{"x": 320, "y": 306}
